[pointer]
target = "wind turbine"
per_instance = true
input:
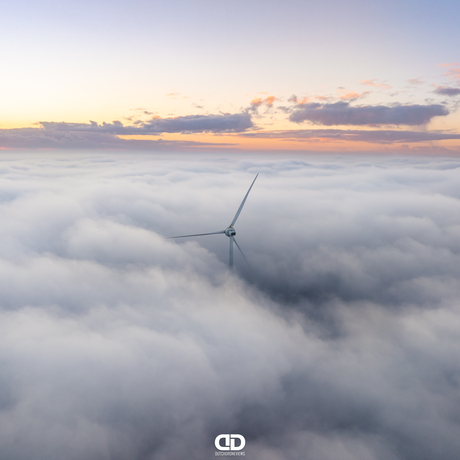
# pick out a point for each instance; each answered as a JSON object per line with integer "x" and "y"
{"x": 229, "y": 231}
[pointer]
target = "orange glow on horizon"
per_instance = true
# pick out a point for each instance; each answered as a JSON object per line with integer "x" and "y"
{"x": 234, "y": 141}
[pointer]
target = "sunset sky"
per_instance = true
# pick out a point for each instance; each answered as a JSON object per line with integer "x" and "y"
{"x": 220, "y": 75}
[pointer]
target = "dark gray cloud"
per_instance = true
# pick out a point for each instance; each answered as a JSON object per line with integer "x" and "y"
{"x": 447, "y": 91}
{"x": 341, "y": 113}
{"x": 375, "y": 136}
{"x": 236, "y": 122}
{"x": 341, "y": 342}
{"x": 57, "y": 136}
{"x": 63, "y": 135}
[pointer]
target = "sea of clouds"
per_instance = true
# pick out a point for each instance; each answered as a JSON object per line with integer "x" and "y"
{"x": 339, "y": 341}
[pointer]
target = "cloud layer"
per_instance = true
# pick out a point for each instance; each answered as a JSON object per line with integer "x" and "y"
{"x": 340, "y": 342}
{"x": 50, "y": 138}
{"x": 382, "y": 136}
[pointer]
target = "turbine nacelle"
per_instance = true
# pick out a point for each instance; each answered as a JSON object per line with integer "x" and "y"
{"x": 230, "y": 231}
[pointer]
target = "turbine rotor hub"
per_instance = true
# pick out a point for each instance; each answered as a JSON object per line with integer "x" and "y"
{"x": 230, "y": 231}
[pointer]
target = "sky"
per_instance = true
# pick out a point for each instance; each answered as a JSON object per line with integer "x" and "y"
{"x": 354, "y": 76}
{"x": 340, "y": 340}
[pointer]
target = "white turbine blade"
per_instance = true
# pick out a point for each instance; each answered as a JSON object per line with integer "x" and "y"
{"x": 244, "y": 257}
{"x": 230, "y": 259}
{"x": 197, "y": 234}
{"x": 242, "y": 203}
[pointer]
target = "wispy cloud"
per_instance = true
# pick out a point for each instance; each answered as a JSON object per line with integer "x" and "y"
{"x": 269, "y": 100}
{"x": 295, "y": 100}
{"x": 374, "y": 82}
{"x": 341, "y": 113}
{"x": 353, "y": 96}
{"x": 453, "y": 70}
{"x": 259, "y": 101}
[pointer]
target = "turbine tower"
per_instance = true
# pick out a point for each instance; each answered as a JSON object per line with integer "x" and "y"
{"x": 229, "y": 231}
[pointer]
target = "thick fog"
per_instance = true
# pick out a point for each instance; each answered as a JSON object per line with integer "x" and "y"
{"x": 339, "y": 340}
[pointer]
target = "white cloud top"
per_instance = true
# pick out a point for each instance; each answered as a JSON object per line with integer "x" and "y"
{"x": 118, "y": 343}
